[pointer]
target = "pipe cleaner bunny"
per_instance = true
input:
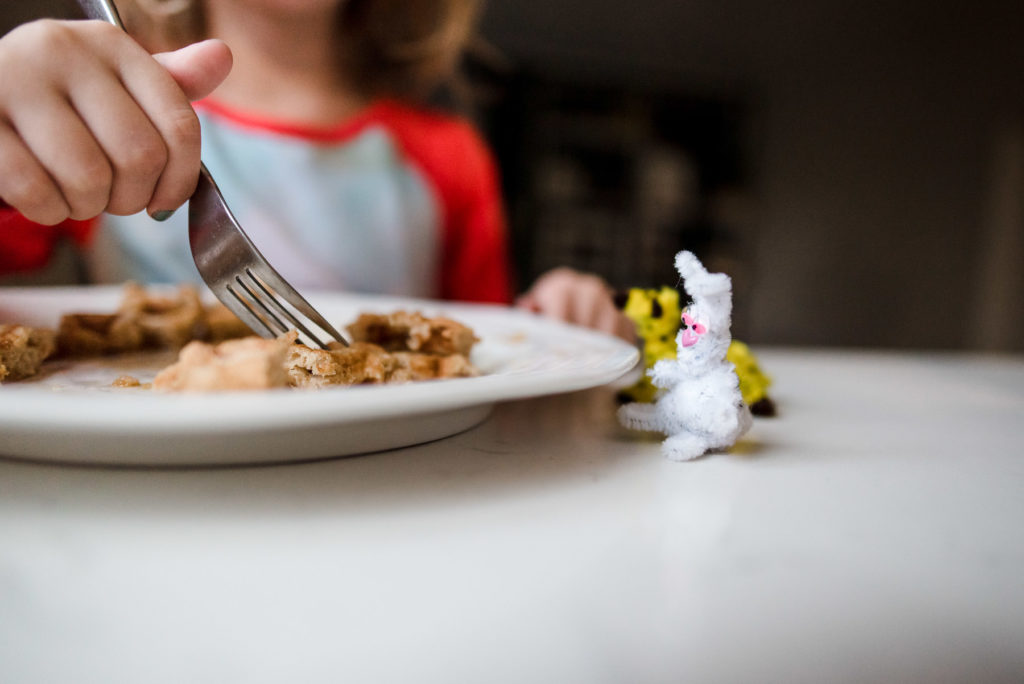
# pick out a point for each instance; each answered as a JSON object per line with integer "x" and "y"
{"x": 700, "y": 407}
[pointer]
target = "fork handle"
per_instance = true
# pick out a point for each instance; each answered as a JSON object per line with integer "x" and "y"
{"x": 104, "y": 10}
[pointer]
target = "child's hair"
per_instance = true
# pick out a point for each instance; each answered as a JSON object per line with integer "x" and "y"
{"x": 403, "y": 48}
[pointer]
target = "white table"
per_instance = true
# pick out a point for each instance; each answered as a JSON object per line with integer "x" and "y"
{"x": 874, "y": 532}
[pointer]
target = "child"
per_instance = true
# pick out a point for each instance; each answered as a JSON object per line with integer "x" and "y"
{"x": 316, "y": 136}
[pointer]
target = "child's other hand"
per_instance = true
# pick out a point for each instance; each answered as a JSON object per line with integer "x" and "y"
{"x": 578, "y": 298}
{"x": 90, "y": 122}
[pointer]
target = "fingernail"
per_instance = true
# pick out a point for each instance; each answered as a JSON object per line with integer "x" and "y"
{"x": 162, "y": 215}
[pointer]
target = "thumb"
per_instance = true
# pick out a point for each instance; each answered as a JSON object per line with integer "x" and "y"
{"x": 197, "y": 68}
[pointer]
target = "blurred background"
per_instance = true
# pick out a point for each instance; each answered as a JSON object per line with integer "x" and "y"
{"x": 857, "y": 167}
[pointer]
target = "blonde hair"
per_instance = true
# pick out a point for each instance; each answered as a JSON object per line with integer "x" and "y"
{"x": 402, "y": 48}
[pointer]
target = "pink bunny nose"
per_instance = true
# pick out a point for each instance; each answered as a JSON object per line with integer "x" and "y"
{"x": 691, "y": 331}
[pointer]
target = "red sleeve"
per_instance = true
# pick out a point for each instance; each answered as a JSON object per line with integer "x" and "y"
{"x": 456, "y": 160}
{"x": 26, "y": 246}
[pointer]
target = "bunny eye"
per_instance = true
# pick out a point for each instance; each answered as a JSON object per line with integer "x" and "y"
{"x": 690, "y": 324}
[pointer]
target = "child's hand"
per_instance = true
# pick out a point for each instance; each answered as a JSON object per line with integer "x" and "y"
{"x": 578, "y": 298}
{"x": 90, "y": 122}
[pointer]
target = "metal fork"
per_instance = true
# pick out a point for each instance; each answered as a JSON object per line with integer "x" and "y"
{"x": 228, "y": 261}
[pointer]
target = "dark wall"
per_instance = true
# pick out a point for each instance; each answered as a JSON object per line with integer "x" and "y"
{"x": 875, "y": 133}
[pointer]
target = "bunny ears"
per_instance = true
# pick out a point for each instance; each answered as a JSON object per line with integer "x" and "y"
{"x": 697, "y": 281}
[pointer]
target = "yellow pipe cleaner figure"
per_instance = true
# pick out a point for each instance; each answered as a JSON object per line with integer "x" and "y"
{"x": 656, "y": 314}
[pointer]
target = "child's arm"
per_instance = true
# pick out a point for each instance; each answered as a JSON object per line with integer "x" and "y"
{"x": 90, "y": 122}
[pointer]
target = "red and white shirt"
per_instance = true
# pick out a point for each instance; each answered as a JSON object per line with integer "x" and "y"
{"x": 396, "y": 201}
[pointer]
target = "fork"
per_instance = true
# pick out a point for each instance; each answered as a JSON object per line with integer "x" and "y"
{"x": 228, "y": 261}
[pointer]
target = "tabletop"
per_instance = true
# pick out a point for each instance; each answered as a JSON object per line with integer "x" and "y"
{"x": 869, "y": 533}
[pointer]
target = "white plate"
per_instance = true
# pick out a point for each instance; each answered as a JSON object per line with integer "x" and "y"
{"x": 73, "y": 415}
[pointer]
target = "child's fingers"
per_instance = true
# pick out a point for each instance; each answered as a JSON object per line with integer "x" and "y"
{"x": 625, "y": 328}
{"x": 614, "y": 322}
{"x": 65, "y": 147}
{"x": 131, "y": 143}
{"x": 553, "y": 301}
{"x": 607, "y": 318}
{"x": 578, "y": 298}
{"x": 580, "y": 305}
{"x": 587, "y": 294}
{"x": 528, "y": 302}
{"x": 25, "y": 184}
{"x": 171, "y": 114}
{"x": 107, "y": 123}
{"x": 162, "y": 85}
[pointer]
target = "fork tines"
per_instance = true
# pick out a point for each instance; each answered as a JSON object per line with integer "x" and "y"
{"x": 259, "y": 306}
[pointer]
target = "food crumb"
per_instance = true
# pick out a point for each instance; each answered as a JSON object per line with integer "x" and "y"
{"x": 126, "y": 381}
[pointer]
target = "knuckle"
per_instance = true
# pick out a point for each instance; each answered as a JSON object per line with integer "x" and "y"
{"x": 86, "y": 210}
{"x": 35, "y": 200}
{"x": 98, "y": 32}
{"x": 21, "y": 185}
{"x": 48, "y": 214}
{"x": 52, "y": 34}
{"x": 38, "y": 205}
{"x": 40, "y": 52}
{"x": 94, "y": 177}
{"x": 88, "y": 188}
{"x": 27, "y": 188}
{"x": 181, "y": 128}
{"x": 125, "y": 207}
{"x": 145, "y": 156}
{"x": 126, "y": 199}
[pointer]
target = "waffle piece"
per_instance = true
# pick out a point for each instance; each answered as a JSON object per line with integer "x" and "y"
{"x": 85, "y": 334}
{"x": 411, "y": 331}
{"x": 147, "y": 321}
{"x": 412, "y": 367}
{"x": 23, "y": 350}
{"x": 358, "y": 364}
{"x": 221, "y": 324}
{"x": 364, "y": 363}
{"x": 250, "y": 363}
{"x": 166, "y": 322}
